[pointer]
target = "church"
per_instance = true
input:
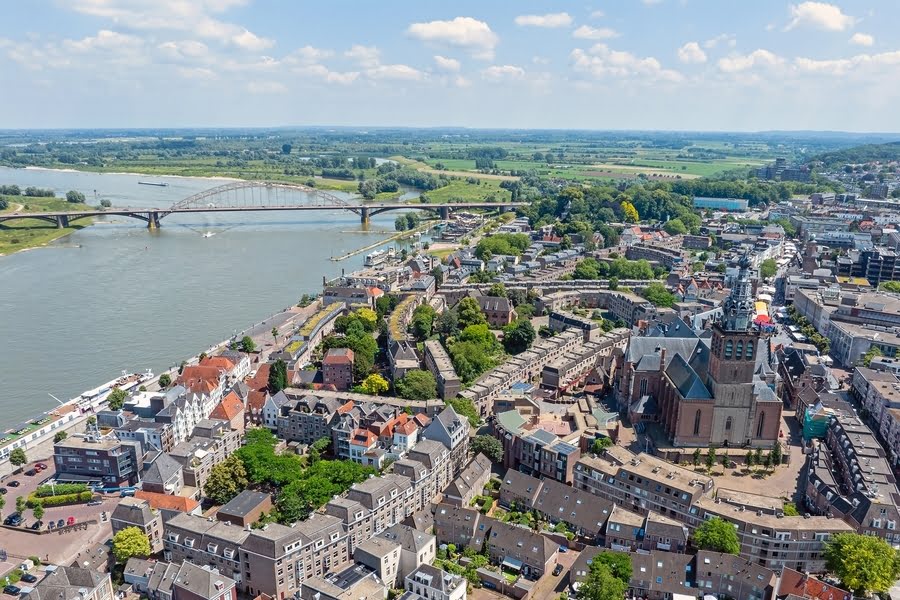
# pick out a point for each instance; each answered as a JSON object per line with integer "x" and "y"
{"x": 718, "y": 388}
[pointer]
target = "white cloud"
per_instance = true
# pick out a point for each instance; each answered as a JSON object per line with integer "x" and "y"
{"x": 503, "y": 72}
{"x": 550, "y": 20}
{"x": 540, "y": 60}
{"x": 196, "y": 73}
{"x": 175, "y": 15}
{"x": 722, "y": 38}
{"x": 691, "y": 53}
{"x": 463, "y": 32}
{"x": 366, "y": 56}
{"x": 600, "y": 61}
{"x": 819, "y": 15}
{"x": 308, "y": 55}
{"x": 461, "y": 81}
{"x": 325, "y": 74}
{"x": 854, "y": 64}
{"x": 446, "y": 64}
{"x": 184, "y": 50}
{"x": 266, "y": 87}
{"x": 104, "y": 40}
{"x": 594, "y": 33}
{"x": 862, "y": 39}
{"x": 395, "y": 72}
{"x": 743, "y": 62}
{"x": 598, "y": 14}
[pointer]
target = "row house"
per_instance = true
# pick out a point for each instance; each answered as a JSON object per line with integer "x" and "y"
{"x": 233, "y": 364}
{"x": 184, "y": 412}
{"x": 209, "y": 381}
{"x": 470, "y": 482}
{"x": 642, "y": 483}
{"x": 514, "y": 547}
{"x": 526, "y": 366}
{"x": 308, "y": 418}
{"x": 438, "y": 362}
{"x": 211, "y": 443}
{"x": 568, "y": 371}
{"x": 135, "y": 512}
{"x": 534, "y": 451}
{"x": 230, "y": 409}
{"x": 274, "y": 560}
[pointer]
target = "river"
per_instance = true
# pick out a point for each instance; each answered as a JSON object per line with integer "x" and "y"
{"x": 116, "y": 296}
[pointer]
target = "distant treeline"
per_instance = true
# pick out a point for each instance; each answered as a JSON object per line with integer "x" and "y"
{"x": 860, "y": 154}
{"x": 14, "y": 190}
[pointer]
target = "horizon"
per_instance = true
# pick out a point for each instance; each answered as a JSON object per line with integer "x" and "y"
{"x": 640, "y": 65}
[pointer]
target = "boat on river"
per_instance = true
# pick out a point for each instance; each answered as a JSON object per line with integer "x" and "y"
{"x": 156, "y": 183}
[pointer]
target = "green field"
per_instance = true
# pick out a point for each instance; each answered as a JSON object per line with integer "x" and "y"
{"x": 461, "y": 191}
{"x": 31, "y": 233}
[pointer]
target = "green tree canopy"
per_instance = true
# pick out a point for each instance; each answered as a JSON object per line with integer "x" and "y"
{"x": 863, "y": 563}
{"x": 890, "y": 286}
{"x": 116, "y": 398}
{"x": 489, "y": 446}
{"x": 601, "y": 584}
{"x": 130, "y": 542}
{"x": 247, "y": 344}
{"x": 464, "y": 407}
{"x": 468, "y": 312}
{"x": 17, "y": 457}
{"x": 422, "y": 321}
{"x": 277, "y": 376}
{"x": 518, "y": 336}
{"x": 417, "y": 385}
{"x": 75, "y": 197}
{"x": 675, "y": 227}
{"x": 165, "y": 380}
{"x": 510, "y": 244}
{"x": 498, "y": 290}
{"x": 717, "y": 535}
{"x": 374, "y": 384}
{"x": 657, "y": 294}
{"x": 768, "y": 268}
{"x": 226, "y": 480}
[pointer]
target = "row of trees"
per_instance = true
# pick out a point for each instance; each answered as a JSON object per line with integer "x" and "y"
{"x": 822, "y": 343}
{"x": 620, "y": 268}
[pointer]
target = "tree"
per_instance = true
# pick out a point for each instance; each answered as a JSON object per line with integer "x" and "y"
{"x": 75, "y": 197}
{"x": 286, "y": 148}
{"x": 599, "y": 445}
{"x": 38, "y": 511}
{"x": 751, "y": 460}
{"x": 863, "y": 563}
{"x": 711, "y": 458}
{"x": 60, "y": 436}
{"x": 247, "y": 344}
{"x": 498, "y": 290}
{"x": 872, "y": 353}
{"x": 417, "y": 385}
{"x": 165, "y": 380}
{"x": 422, "y": 321}
{"x": 489, "y": 446}
{"x": 447, "y": 324}
{"x": 374, "y": 384}
{"x": 464, "y": 407}
{"x": 768, "y": 268}
{"x": 278, "y": 376}
{"x": 116, "y": 398}
{"x": 890, "y": 286}
{"x": 20, "y": 504}
{"x": 618, "y": 563}
{"x": 400, "y": 223}
{"x": 318, "y": 447}
{"x": 717, "y": 535}
{"x": 601, "y": 584}
{"x": 629, "y": 212}
{"x": 226, "y": 480}
{"x": 275, "y": 334}
{"x": 657, "y": 294}
{"x": 105, "y": 203}
{"x": 17, "y": 457}
{"x": 675, "y": 227}
{"x": 468, "y": 312}
{"x": 518, "y": 336}
{"x": 777, "y": 454}
{"x": 130, "y": 542}
{"x": 697, "y": 455}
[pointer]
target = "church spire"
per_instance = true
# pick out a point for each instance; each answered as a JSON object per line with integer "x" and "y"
{"x": 737, "y": 312}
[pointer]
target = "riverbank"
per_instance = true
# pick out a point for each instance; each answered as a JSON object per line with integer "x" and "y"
{"x": 25, "y": 234}
{"x": 397, "y": 236}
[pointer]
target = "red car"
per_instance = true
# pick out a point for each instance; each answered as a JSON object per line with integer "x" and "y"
{"x": 70, "y": 521}
{"x": 40, "y": 466}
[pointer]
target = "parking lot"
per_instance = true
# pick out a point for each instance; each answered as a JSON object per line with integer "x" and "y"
{"x": 57, "y": 548}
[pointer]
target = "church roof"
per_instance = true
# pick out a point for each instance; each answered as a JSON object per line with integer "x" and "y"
{"x": 686, "y": 380}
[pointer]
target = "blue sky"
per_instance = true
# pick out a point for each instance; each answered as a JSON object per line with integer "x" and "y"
{"x": 616, "y": 64}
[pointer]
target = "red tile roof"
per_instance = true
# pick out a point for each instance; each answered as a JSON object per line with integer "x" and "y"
{"x": 338, "y": 356}
{"x": 362, "y": 437}
{"x": 256, "y": 400}
{"x": 347, "y": 407}
{"x": 167, "y": 501}
{"x": 260, "y": 381}
{"x": 801, "y": 584}
{"x": 229, "y": 408}
{"x": 220, "y": 362}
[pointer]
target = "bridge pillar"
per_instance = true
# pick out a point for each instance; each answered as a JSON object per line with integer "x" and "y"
{"x": 62, "y": 221}
{"x": 364, "y": 215}
{"x": 445, "y": 213}
{"x": 153, "y": 220}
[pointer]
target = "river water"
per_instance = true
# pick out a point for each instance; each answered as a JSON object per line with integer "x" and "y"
{"x": 115, "y": 296}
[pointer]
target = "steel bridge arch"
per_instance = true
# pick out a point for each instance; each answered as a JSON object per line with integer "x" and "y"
{"x": 323, "y": 198}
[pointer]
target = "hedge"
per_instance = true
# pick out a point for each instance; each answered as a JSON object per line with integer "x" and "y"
{"x": 60, "y": 489}
{"x": 59, "y": 500}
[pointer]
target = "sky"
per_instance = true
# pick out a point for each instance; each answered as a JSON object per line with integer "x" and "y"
{"x": 708, "y": 65}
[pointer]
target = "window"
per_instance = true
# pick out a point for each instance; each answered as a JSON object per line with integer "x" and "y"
{"x": 643, "y": 387}
{"x": 740, "y": 349}
{"x": 749, "y": 353}
{"x": 761, "y": 424}
{"x": 697, "y": 416}
{"x": 729, "y": 346}
{"x": 728, "y": 422}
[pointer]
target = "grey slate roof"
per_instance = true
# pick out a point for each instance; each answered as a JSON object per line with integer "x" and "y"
{"x": 65, "y": 583}
{"x": 686, "y": 380}
{"x": 162, "y": 470}
{"x": 202, "y": 582}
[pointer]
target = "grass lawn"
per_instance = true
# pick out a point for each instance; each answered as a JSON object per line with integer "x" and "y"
{"x": 451, "y": 171}
{"x": 30, "y": 233}
{"x": 442, "y": 253}
{"x": 460, "y": 191}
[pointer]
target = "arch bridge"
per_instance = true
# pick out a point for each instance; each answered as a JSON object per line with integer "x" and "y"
{"x": 258, "y": 196}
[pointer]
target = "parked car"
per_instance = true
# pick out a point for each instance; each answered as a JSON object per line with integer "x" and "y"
{"x": 3, "y": 490}
{"x": 14, "y": 519}
{"x": 29, "y": 578}
{"x": 60, "y": 523}
{"x": 31, "y": 472}
{"x": 13, "y": 483}
{"x": 95, "y": 502}
{"x": 11, "y": 590}
{"x": 36, "y": 526}
{"x": 563, "y": 548}
{"x": 70, "y": 521}
{"x": 557, "y": 570}
{"x": 40, "y": 466}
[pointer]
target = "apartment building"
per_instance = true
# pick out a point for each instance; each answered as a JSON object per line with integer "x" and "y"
{"x": 560, "y": 320}
{"x": 431, "y": 583}
{"x": 307, "y": 418}
{"x": 211, "y": 443}
{"x": 470, "y": 482}
{"x": 134, "y": 512}
{"x": 642, "y": 483}
{"x": 667, "y": 257}
{"x": 534, "y": 451}
{"x": 382, "y": 556}
{"x": 102, "y": 459}
{"x": 522, "y": 367}
{"x": 354, "y": 582}
{"x": 72, "y": 582}
{"x": 337, "y": 368}
{"x": 568, "y": 371}
{"x": 274, "y": 560}
{"x": 416, "y": 547}
{"x": 438, "y": 362}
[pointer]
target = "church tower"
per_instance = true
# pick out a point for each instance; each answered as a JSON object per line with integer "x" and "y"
{"x": 732, "y": 362}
